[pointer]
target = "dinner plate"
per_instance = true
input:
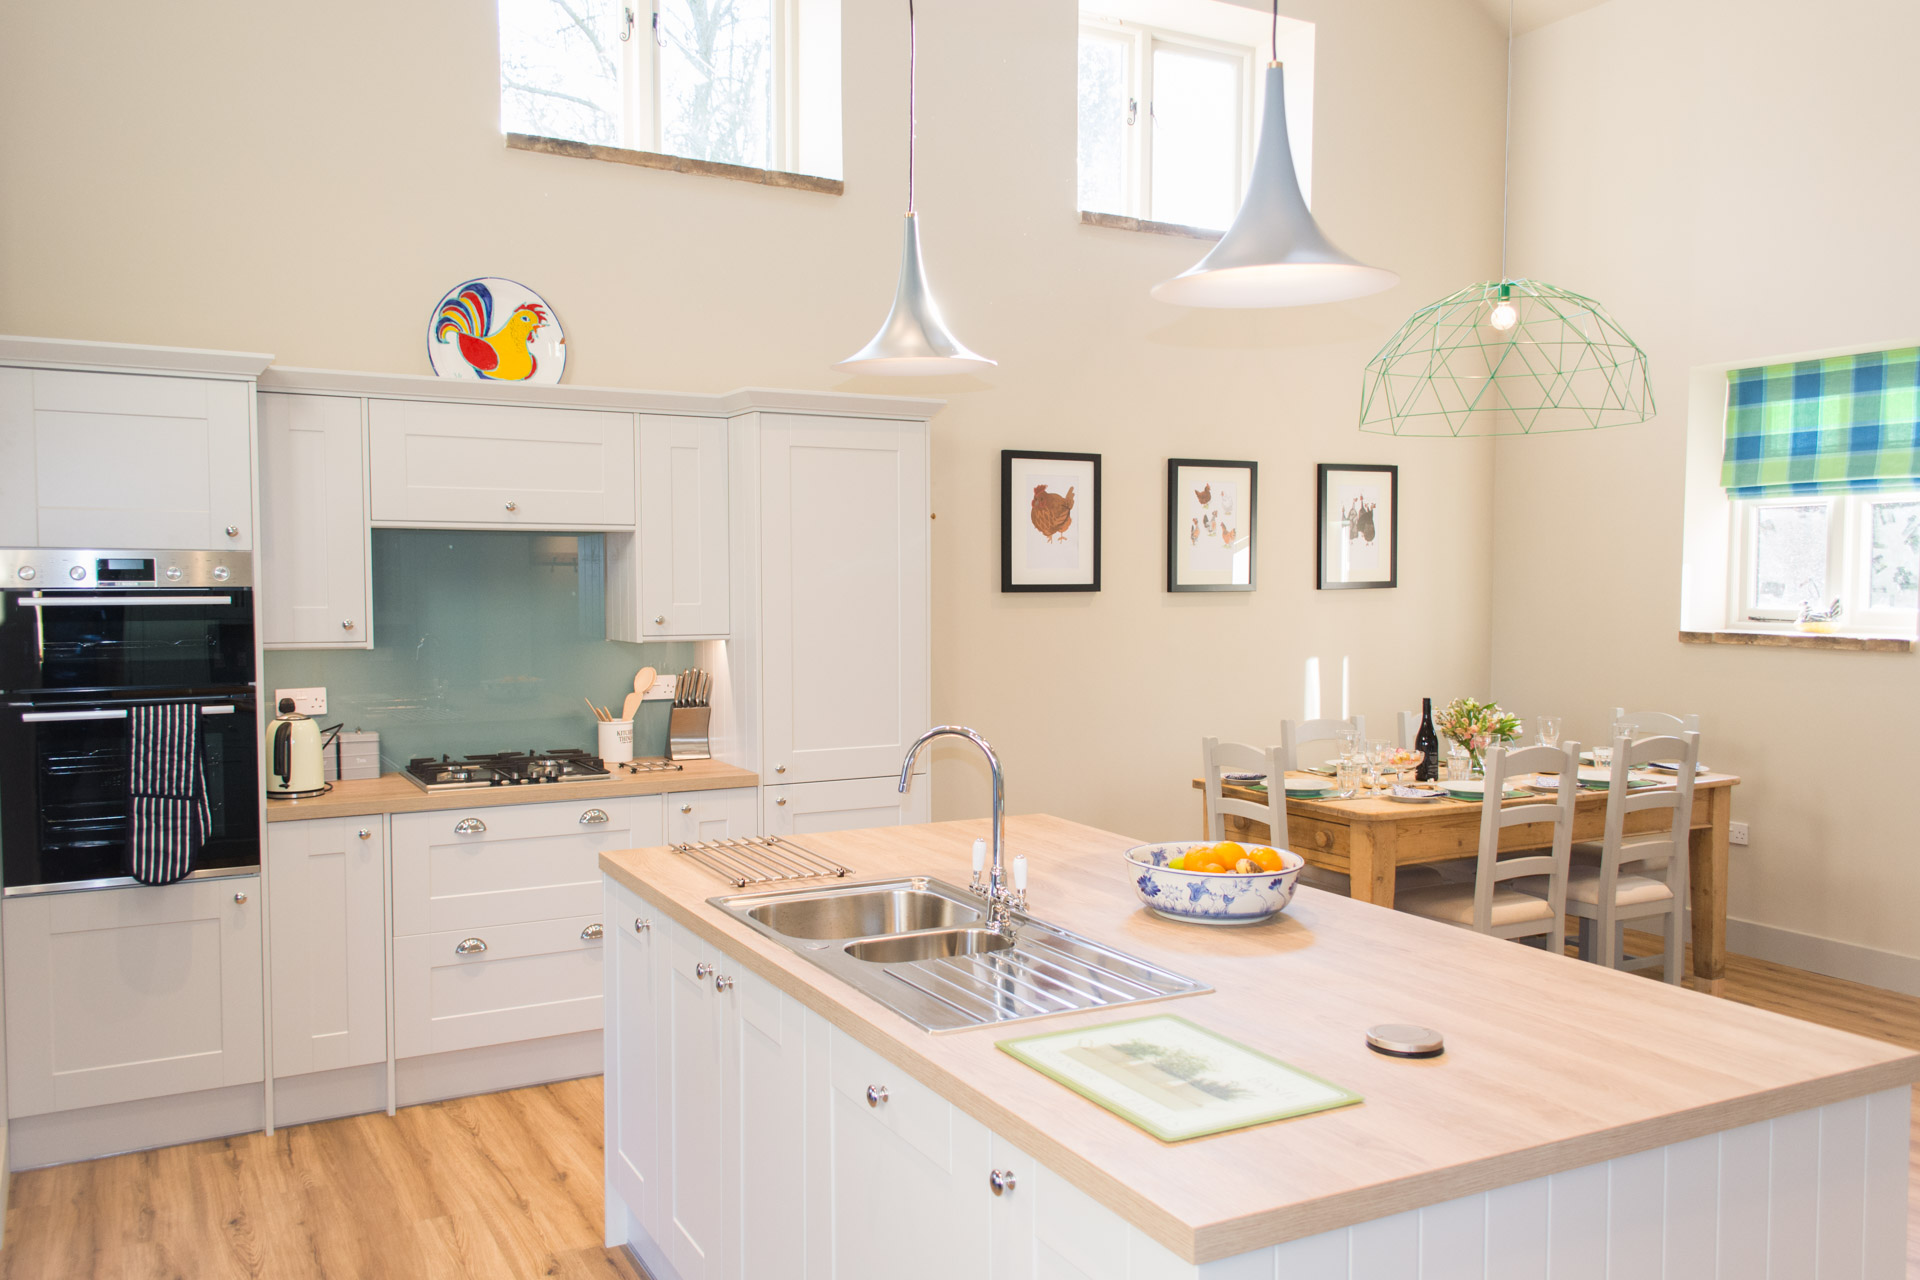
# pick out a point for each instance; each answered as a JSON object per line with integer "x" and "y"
{"x": 1307, "y": 787}
{"x": 1412, "y": 795}
{"x": 1476, "y": 789}
{"x": 1673, "y": 766}
{"x": 1242, "y": 777}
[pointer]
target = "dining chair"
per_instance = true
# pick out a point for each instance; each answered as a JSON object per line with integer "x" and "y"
{"x": 1490, "y": 904}
{"x": 1409, "y": 727}
{"x": 1649, "y": 722}
{"x": 1636, "y": 877}
{"x": 1295, "y": 734}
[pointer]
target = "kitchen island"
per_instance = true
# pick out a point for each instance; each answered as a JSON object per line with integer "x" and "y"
{"x": 765, "y": 1119}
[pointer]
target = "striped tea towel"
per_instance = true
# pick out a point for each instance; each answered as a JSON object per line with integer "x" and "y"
{"x": 168, "y": 784}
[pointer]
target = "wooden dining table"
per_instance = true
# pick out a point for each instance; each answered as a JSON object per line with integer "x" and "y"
{"x": 1368, "y": 839}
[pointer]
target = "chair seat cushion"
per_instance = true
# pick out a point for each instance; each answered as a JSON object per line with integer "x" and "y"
{"x": 1453, "y": 904}
{"x": 1583, "y": 885}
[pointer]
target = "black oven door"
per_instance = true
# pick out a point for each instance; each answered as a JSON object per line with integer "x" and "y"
{"x": 63, "y": 790}
{"x": 101, "y": 640}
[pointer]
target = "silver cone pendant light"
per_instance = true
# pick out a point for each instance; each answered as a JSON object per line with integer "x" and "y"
{"x": 914, "y": 341}
{"x": 1274, "y": 254}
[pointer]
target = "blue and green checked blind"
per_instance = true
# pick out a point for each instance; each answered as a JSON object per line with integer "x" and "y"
{"x": 1824, "y": 426}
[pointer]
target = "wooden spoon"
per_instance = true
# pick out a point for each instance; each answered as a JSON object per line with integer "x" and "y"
{"x": 641, "y": 683}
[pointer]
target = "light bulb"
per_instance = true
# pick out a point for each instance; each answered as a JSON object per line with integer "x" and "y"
{"x": 1503, "y": 316}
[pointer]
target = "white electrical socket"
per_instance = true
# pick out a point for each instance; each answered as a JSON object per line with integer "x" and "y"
{"x": 308, "y": 702}
{"x": 1736, "y": 833}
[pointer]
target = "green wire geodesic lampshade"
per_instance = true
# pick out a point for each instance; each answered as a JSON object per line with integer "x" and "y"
{"x": 1562, "y": 364}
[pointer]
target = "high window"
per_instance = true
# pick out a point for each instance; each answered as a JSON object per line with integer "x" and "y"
{"x": 1822, "y": 464}
{"x": 742, "y": 82}
{"x": 1169, "y": 106}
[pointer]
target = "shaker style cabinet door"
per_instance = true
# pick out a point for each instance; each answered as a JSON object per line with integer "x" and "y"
{"x": 119, "y": 994}
{"x": 702, "y": 1170}
{"x": 313, "y": 524}
{"x": 500, "y": 466}
{"x": 843, "y": 553}
{"x": 133, "y": 461}
{"x": 804, "y": 807}
{"x": 712, "y": 815}
{"x": 683, "y": 527}
{"x": 636, "y": 936}
{"x": 327, "y": 883}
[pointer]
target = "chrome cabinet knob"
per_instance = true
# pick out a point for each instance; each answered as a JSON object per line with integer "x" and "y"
{"x": 703, "y": 970}
{"x": 469, "y": 827}
{"x": 240, "y": 898}
{"x": 1001, "y": 1180}
{"x": 723, "y": 983}
{"x": 470, "y": 947}
{"x": 233, "y": 531}
{"x": 660, "y": 621}
{"x": 779, "y": 768}
{"x": 641, "y": 924}
{"x": 686, "y": 808}
{"x": 347, "y": 625}
{"x": 781, "y": 801}
{"x": 513, "y": 506}
{"x": 876, "y": 1094}
{"x": 594, "y": 817}
{"x": 592, "y": 933}
{"x": 364, "y": 834}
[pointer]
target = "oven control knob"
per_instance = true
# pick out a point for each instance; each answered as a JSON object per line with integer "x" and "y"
{"x": 221, "y": 573}
{"x": 28, "y": 573}
{"x": 173, "y": 573}
{"x": 78, "y": 573}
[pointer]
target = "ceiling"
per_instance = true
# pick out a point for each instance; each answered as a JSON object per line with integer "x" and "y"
{"x": 1529, "y": 14}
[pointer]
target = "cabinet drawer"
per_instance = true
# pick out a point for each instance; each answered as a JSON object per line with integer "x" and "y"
{"x": 915, "y": 1113}
{"x": 500, "y": 465}
{"x": 464, "y": 869}
{"x": 531, "y": 980}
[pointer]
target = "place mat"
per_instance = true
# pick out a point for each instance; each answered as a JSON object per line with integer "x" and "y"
{"x": 1175, "y": 1079}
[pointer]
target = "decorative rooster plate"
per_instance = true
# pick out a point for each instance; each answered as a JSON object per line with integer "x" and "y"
{"x": 496, "y": 330}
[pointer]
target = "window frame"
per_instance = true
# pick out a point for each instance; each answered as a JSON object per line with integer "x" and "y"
{"x": 1143, "y": 39}
{"x": 641, "y": 86}
{"x": 1849, "y": 563}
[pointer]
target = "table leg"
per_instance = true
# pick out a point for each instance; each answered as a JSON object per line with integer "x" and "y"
{"x": 1707, "y": 891}
{"x": 1371, "y": 849}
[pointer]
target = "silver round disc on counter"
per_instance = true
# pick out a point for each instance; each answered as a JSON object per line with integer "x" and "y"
{"x": 1405, "y": 1040}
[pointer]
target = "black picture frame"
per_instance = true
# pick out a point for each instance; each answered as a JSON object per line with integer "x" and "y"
{"x": 1012, "y": 566}
{"x": 1325, "y": 522}
{"x": 1185, "y": 520}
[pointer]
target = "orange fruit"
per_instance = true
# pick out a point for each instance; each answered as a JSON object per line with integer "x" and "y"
{"x": 1211, "y": 864}
{"x": 1228, "y": 852}
{"x": 1267, "y": 860}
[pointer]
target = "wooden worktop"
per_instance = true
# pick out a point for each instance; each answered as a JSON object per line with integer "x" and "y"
{"x": 1551, "y": 1063}
{"x": 392, "y": 793}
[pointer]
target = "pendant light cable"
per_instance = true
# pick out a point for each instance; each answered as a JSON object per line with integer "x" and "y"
{"x": 1506, "y": 151}
{"x": 1276, "y": 30}
{"x": 913, "y": 56}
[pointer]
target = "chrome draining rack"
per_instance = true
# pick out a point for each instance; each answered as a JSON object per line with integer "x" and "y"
{"x": 745, "y": 860}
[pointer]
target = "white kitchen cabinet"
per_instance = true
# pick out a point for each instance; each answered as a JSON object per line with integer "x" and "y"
{"x": 122, "y": 460}
{"x": 511, "y": 466}
{"x": 702, "y": 1175}
{"x": 120, "y": 994}
{"x": 724, "y": 814}
{"x": 327, "y": 882}
{"x": 634, "y": 943}
{"x": 510, "y": 864}
{"x": 464, "y": 988}
{"x": 796, "y": 809}
{"x": 313, "y": 524}
{"x": 682, "y": 544}
{"x": 768, "y": 1063}
{"x": 844, "y": 595}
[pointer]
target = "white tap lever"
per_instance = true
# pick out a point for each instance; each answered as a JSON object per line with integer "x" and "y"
{"x": 979, "y": 860}
{"x": 1020, "y": 879}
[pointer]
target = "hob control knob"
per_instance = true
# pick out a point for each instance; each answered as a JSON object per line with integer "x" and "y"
{"x": 78, "y": 573}
{"x": 28, "y": 573}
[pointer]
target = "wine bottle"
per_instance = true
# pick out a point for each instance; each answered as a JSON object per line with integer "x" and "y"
{"x": 1428, "y": 741}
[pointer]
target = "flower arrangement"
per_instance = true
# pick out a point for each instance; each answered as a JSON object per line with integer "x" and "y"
{"x": 1476, "y": 726}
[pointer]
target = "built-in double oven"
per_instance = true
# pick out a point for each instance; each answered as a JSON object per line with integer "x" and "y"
{"x": 86, "y": 636}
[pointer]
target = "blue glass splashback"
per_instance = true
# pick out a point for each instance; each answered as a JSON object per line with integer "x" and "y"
{"x": 483, "y": 641}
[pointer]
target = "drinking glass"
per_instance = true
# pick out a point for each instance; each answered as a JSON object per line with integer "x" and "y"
{"x": 1348, "y": 771}
{"x": 1459, "y": 764}
{"x": 1549, "y": 731}
{"x": 1603, "y": 756}
{"x": 1379, "y": 753}
{"x": 1349, "y": 742}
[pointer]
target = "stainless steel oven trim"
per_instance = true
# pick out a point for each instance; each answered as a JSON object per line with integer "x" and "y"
{"x": 52, "y": 567}
{"x": 122, "y": 882}
{"x": 64, "y": 602}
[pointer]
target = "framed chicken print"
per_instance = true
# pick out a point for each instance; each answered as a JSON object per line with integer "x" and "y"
{"x": 1358, "y": 535}
{"x": 1049, "y": 521}
{"x": 495, "y": 330}
{"x": 1210, "y": 513}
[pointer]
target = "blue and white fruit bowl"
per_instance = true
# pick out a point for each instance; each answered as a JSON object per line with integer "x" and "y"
{"x": 1204, "y": 897}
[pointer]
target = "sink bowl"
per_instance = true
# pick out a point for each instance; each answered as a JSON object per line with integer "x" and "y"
{"x": 864, "y": 914}
{"x": 908, "y": 947}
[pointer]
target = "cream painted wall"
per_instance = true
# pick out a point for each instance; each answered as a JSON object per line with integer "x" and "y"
{"x": 1736, "y": 181}
{"x": 306, "y": 182}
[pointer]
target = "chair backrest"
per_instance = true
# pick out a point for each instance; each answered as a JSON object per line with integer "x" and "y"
{"x": 1622, "y": 799}
{"x": 1409, "y": 726}
{"x": 1294, "y": 734}
{"x": 1504, "y": 763}
{"x": 1217, "y": 757}
{"x": 1649, "y": 722}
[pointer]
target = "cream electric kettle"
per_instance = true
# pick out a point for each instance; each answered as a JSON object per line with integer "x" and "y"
{"x": 295, "y": 768}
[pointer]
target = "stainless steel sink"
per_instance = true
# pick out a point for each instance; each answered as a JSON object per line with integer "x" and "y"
{"x": 862, "y": 912}
{"x": 915, "y": 945}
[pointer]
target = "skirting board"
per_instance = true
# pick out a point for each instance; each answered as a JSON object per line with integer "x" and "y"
{"x": 61, "y": 1137}
{"x": 328, "y": 1095}
{"x": 1888, "y": 970}
{"x": 495, "y": 1067}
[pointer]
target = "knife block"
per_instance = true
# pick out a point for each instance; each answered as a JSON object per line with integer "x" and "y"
{"x": 687, "y": 734}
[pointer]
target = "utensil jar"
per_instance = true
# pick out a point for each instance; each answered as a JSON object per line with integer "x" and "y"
{"x": 616, "y": 741}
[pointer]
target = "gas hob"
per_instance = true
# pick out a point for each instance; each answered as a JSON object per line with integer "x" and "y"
{"x": 521, "y": 768}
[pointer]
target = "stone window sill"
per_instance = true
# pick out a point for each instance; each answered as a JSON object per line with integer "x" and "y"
{"x": 1802, "y": 640}
{"x": 678, "y": 164}
{"x": 1118, "y": 222}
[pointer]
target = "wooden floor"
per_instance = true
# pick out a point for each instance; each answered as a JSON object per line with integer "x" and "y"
{"x": 502, "y": 1186}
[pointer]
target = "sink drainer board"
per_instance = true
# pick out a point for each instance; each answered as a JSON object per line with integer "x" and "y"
{"x": 919, "y": 946}
{"x": 753, "y": 860}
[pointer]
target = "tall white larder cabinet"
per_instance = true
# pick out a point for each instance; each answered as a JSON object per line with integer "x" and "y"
{"x": 843, "y": 582}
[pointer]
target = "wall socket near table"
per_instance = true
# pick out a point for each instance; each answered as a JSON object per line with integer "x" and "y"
{"x": 308, "y": 702}
{"x": 1736, "y": 833}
